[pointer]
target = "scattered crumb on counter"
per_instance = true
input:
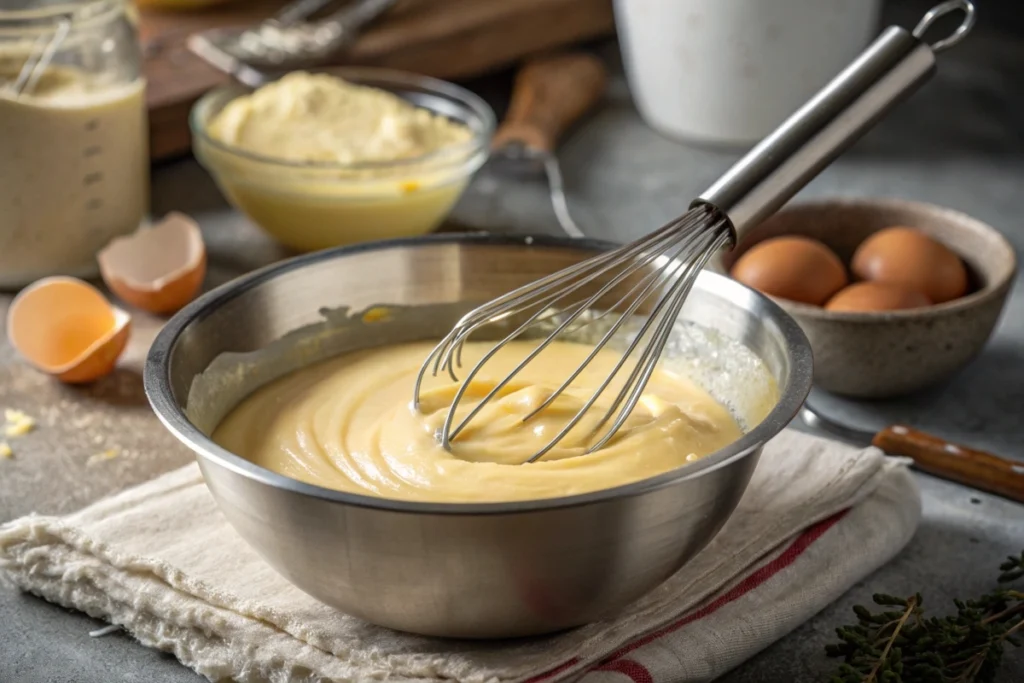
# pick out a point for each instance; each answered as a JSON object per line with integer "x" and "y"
{"x": 18, "y": 428}
{"x": 5, "y": 451}
{"x": 15, "y": 415}
{"x": 17, "y": 423}
{"x": 108, "y": 454}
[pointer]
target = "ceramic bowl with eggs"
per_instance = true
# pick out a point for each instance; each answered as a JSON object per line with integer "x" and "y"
{"x": 895, "y": 296}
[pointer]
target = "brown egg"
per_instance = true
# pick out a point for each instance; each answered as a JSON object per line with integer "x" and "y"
{"x": 907, "y": 256}
{"x": 795, "y": 268}
{"x": 876, "y": 296}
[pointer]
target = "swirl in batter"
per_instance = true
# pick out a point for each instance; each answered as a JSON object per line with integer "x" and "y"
{"x": 348, "y": 424}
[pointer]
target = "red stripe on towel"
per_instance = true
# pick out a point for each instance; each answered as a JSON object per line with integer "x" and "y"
{"x": 762, "y": 574}
{"x": 639, "y": 673}
{"x": 553, "y": 672}
{"x": 634, "y": 671}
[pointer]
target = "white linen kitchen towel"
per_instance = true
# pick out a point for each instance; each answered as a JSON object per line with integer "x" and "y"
{"x": 161, "y": 561}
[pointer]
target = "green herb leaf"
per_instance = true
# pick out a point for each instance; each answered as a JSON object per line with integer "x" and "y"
{"x": 903, "y": 646}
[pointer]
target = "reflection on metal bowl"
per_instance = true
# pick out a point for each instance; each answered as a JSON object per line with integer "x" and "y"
{"x": 459, "y": 570}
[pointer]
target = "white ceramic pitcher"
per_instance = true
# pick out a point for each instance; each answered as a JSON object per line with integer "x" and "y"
{"x": 729, "y": 71}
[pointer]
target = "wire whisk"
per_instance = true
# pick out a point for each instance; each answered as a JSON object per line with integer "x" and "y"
{"x": 672, "y": 257}
{"x": 658, "y": 271}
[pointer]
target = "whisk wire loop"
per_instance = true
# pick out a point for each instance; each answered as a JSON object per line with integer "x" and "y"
{"x": 651, "y": 282}
{"x": 495, "y": 311}
{"x": 673, "y": 254}
{"x": 666, "y": 237}
{"x": 520, "y": 299}
{"x": 664, "y": 274}
{"x": 653, "y": 351}
{"x": 578, "y": 311}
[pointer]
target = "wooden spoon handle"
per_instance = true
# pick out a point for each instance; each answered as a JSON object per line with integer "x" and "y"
{"x": 977, "y": 469}
{"x": 551, "y": 93}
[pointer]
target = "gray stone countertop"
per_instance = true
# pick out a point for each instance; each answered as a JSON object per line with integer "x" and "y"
{"x": 959, "y": 142}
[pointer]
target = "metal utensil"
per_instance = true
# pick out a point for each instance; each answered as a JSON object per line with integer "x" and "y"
{"x": 658, "y": 270}
{"x": 932, "y": 454}
{"x": 549, "y": 95}
{"x": 40, "y": 57}
{"x": 285, "y": 41}
{"x": 480, "y": 571}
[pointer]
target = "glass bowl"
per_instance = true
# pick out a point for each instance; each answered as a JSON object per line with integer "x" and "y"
{"x": 309, "y": 206}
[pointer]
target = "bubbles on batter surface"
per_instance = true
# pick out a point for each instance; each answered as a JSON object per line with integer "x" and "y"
{"x": 727, "y": 369}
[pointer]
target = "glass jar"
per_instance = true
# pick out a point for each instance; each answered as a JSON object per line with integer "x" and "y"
{"x": 74, "y": 161}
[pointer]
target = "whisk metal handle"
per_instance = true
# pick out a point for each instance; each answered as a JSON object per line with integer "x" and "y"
{"x": 784, "y": 162}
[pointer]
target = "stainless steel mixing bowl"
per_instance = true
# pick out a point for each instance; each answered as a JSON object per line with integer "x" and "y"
{"x": 462, "y": 570}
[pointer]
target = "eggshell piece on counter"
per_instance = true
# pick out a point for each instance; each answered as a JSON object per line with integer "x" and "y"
{"x": 66, "y": 328}
{"x": 792, "y": 267}
{"x": 909, "y": 257}
{"x": 876, "y": 296}
{"x": 158, "y": 269}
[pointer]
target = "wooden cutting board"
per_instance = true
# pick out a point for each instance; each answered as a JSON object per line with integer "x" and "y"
{"x": 450, "y": 39}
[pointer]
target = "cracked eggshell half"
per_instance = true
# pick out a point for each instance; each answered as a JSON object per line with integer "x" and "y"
{"x": 66, "y": 328}
{"x": 159, "y": 268}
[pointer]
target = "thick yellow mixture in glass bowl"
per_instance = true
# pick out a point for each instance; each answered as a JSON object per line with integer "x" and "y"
{"x": 322, "y": 159}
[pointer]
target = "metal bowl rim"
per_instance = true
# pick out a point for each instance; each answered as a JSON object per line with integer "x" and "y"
{"x": 156, "y": 378}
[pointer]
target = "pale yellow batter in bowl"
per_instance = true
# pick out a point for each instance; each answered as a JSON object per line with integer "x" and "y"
{"x": 346, "y": 155}
{"x": 348, "y": 424}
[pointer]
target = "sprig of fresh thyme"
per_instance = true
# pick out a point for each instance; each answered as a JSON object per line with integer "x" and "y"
{"x": 899, "y": 644}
